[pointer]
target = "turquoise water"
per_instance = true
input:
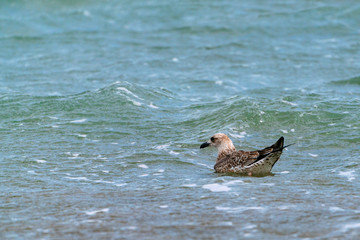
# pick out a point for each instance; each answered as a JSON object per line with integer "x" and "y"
{"x": 104, "y": 106}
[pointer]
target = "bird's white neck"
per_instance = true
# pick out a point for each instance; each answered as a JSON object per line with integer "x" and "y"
{"x": 225, "y": 149}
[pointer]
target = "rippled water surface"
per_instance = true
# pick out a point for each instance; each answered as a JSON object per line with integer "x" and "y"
{"x": 104, "y": 105}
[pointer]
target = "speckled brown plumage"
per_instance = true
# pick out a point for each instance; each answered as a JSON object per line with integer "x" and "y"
{"x": 249, "y": 162}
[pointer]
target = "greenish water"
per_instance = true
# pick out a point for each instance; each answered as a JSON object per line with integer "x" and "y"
{"x": 104, "y": 107}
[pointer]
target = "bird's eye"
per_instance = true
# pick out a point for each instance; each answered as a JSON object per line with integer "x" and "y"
{"x": 212, "y": 139}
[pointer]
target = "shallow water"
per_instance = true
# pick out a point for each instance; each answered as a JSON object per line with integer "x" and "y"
{"x": 104, "y": 107}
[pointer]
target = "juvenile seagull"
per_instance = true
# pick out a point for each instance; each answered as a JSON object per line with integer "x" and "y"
{"x": 248, "y": 162}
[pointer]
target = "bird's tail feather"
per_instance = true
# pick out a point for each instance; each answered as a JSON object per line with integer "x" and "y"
{"x": 281, "y": 148}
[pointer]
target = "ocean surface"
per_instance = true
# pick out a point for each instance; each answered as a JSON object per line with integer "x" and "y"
{"x": 104, "y": 104}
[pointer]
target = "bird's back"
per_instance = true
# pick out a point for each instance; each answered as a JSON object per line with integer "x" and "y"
{"x": 255, "y": 162}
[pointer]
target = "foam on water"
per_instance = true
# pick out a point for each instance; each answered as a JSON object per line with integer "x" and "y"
{"x": 290, "y": 103}
{"x": 348, "y": 174}
{"x": 104, "y": 106}
{"x": 336, "y": 209}
{"x": 239, "y": 209}
{"x": 120, "y": 184}
{"x": 313, "y": 155}
{"x": 79, "y": 120}
{"x": 81, "y": 135}
{"x": 151, "y": 105}
{"x": 215, "y": 187}
{"x": 143, "y": 166}
{"x": 190, "y": 185}
{"x": 239, "y": 135}
{"x": 40, "y": 161}
{"x": 174, "y": 153}
{"x": 234, "y": 182}
{"x": 350, "y": 226}
{"x": 162, "y": 147}
{"x": 129, "y": 92}
{"x": 90, "y": 213}
{"x": 103, "y": 181}
{"x": 78, "y": 178}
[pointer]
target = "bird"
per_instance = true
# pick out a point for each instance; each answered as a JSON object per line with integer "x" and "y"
{"x": 229, "y": 160}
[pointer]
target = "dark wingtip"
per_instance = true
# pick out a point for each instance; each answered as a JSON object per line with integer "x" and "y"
{"x": 279, "y": 143}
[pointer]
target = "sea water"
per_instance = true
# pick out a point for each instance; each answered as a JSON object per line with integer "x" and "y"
{"x": 104, "y": 104}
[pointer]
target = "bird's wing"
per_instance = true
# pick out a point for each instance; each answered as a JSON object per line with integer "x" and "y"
{"x": 236, "y": 159}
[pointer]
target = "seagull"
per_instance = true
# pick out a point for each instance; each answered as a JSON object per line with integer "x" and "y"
{"x": 230, "y": 160}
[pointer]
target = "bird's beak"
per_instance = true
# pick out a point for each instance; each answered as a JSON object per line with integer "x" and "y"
{"x": 204, "y": 145}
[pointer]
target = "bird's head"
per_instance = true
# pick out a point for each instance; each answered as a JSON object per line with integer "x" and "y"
{"x": 220, "y": 141}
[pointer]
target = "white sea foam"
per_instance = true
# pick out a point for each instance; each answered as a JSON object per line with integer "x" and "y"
{"x": 215, "y": 187}
{"x": 129, "y": 92}
{"x": 219, "y": 83}
{"x": 78, "y": 178}
{"x": 40, "y": 161}
{"x": 225, "y": 223}
{"x": 86, "y": 13}
{"x": 336, "y": 209}
{"x": 249, "y": 226}
{"x": 239, "y": 209}
{"x": 104, "y": 210}
{"x": 103, "y": 181}
{"x": 153, "y": 106}
{"x": 349, "y": 226}
{"x": 134, "y": 102}
{"x": 284, "y": 131}
{"x": 349, "y": 174}
{"x": 283, "y": 207}
{"x": 239, "y": 135}
{"x": 31, "y": 172}
{"x": 313, "y": 155}
{"x": 163, "y": 206}
{"x": 161, "y": 171}
{"x": 189, "y": 185}
{"x": 142, "y": 166}
{"x": 267, "y": 184}
{"x": 144, "y": 175}
{"x": 130, "y": 228}
{"x": 233, "y": 182}
{"x": 162, "y": 147}
{"x": 120, "y": 184}
{"x": 205, "y": 165}
{"x": 174, "y": 153}
{"x": 79, "y": 120}
{"x": 284, "y": 172}
{"x": 290, "y": 103}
